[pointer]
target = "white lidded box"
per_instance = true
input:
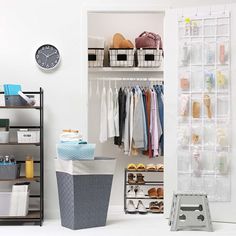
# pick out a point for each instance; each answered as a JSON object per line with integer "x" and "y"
{"x": 121, "y": 57}
{"x": 28, "y": 136}
{"x": 149, "y": 57}
{"x": 95, "y": 57}
{"x": 4, "y": 136}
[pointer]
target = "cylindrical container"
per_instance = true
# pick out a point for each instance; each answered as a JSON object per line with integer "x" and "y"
{"x": 29, "y": 167}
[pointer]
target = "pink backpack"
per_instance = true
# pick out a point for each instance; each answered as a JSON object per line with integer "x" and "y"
{"x": 148, "y": 40}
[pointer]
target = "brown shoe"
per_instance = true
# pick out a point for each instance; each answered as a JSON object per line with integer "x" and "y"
{"x": 152, "y": 193}
{"x": 131, "y": 179}
{"x": 140, "y": 179}
{"x": 160, "y": 193}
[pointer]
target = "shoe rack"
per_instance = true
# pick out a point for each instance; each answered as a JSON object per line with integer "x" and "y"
{"x": 150, "y": 181}
{"x": 204, "y": 118}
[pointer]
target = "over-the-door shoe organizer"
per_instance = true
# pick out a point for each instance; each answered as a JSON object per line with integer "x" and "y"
{"x": 204, "y": 143}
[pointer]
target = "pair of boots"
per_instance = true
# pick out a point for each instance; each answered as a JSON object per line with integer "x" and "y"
{"x": 139, "y": 179}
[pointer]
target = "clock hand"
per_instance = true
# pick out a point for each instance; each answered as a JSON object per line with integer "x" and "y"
{"x": 44, "y": 54}
{"x": 52, "y": 54}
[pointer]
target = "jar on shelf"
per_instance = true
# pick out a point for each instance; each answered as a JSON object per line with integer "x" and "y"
{"x": 29, "y": 167}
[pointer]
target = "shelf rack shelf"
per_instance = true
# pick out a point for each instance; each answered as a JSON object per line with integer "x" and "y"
{"x": 34, "y": 217}
{"x": 125, "y": 69}
{"x": 147, "y": 183}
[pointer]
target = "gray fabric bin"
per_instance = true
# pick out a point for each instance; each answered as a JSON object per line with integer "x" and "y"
{"x": 84, "y": 189}
{"x": 16, "y": 100}
{"x": 9, "y": 171}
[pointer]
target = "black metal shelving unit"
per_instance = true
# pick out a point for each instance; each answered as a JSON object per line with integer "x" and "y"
{"x": 147, "y": 183}
{"x": 35, "y": 216}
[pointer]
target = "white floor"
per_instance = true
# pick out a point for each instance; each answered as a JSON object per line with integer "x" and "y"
{"x": 118, "y": 224}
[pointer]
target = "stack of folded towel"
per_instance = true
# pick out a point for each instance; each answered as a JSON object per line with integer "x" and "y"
{"x": 72, "y": 146}
{"x": 72, "y": 136}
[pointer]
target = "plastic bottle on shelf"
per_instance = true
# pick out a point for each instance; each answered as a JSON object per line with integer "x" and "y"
{"x": 29, "y": 167}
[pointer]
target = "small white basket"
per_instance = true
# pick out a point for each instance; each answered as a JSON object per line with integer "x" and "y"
{"x": 25, "y": 136}
{"x": 149, "y": 57}
{"x": 95, "y": 57}
{"x": 4, "y": 136}
{"x": 121, "y": 57}
{"x": 14, "y": 203}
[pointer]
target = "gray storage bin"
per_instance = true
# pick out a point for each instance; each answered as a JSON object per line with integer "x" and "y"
{"x": 9, "y": 171}
{"x": 84, "y": 189}
{"x": 16, "y": 100}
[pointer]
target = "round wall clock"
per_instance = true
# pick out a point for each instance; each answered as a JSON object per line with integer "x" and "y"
{"x": 47, "y": 57}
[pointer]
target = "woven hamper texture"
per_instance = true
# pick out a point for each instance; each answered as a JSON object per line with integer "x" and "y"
{"x": 83, "y": 199}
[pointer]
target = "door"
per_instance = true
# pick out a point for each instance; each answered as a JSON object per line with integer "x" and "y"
{"x": 224, "y": 211}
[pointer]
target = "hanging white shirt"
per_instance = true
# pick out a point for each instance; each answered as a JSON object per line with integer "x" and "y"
{"x": 116, "y": 112}
{"x": 110, "y": 114}
{"x": 103, "y": 117}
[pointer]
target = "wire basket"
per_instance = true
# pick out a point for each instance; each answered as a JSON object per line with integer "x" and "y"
{"x": 67, "y": 151}
{"x": 95, "y": 57}
{"x": 149, "y": 57}
{"x": 121, "y": 57}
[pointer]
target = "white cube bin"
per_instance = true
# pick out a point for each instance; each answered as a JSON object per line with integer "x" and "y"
{"x": 14, "y": 204}
{"x": 28, "y": 136}
{"x": 4, "y": 136}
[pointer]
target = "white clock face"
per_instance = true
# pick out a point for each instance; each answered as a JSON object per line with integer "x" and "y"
{"x": 47, "y": 56}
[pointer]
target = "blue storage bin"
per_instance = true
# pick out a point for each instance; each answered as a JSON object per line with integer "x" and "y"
{"x": 68, "y": 151}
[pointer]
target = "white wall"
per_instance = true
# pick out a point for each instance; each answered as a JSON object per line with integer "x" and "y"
{"x": 27, "y": 24}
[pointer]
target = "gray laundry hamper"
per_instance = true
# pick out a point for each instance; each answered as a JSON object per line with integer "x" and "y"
{"x": 84, "y": 189}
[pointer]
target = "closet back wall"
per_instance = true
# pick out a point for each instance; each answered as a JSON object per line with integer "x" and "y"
{"x": 27, "y": 24}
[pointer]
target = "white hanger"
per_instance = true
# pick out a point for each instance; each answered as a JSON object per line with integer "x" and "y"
{"x": 90, "y": 88}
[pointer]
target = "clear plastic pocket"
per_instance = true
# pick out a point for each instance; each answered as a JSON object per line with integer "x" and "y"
{"x": 222, "y": 52}
{"x": 222, "y": 106}
{"x": 209, "y": 106}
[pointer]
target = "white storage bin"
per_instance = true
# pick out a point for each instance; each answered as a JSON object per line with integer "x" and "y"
{"x": 14, "y": 204}
{"x": 149, "y": 57}
{"x": 121, "y": 57}
{"x": 4, "y": 136}
{"x": 95, "y": 57}
{"x": 24, "y": 136}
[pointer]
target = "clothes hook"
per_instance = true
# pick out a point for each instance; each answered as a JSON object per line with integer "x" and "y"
{"x": 210, "y": 11}
{"x": 196, "y": 12}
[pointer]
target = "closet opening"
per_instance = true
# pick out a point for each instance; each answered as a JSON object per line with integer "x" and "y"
{"x": 106, "y": 80}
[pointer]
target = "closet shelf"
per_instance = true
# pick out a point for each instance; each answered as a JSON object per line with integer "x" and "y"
{"x": 147, "y": 183}
{"x": 19, "y": 144}
{"x": 20, "y": 107}
{"x": 125, "y": 69}
{"x": 31, "y": 215}
{"x": 22, "y": 179}
{"x": 146, "y": 171}
{"x": 148, "y": 198}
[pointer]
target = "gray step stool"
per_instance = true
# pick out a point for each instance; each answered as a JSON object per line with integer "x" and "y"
{"x": 190, "y": 211}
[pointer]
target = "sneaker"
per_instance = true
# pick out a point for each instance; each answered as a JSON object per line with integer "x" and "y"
{"x": 131, "y": 192}
{"x": 141, "y": 208}
{"x": 139, "y": 192}
{"x": 131, "y": 207}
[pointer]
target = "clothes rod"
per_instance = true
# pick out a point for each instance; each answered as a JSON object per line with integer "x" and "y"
{"x": 127, "y": 79}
